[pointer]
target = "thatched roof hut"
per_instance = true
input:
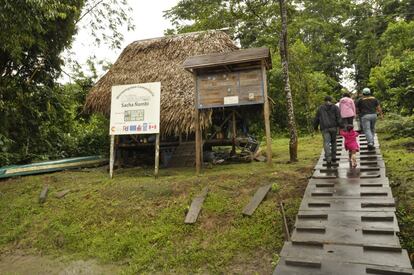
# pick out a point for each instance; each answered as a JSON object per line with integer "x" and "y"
{"x": 161, "y": 59}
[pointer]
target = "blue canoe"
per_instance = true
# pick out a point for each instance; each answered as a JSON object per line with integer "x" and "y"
{"x": 51, "y": 166}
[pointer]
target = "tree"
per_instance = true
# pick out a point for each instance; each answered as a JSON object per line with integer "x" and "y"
{"x": 283, "y": 46}
{"x": 34, "y": 34}
{"x": 366, "y": 23}
{"x": 321, "y": 26}
{"x": 393, "y": 79}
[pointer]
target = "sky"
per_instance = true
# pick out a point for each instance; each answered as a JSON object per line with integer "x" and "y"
{"x": 149, "y": 22}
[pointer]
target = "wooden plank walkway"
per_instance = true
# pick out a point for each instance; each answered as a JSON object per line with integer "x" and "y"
{"x": 346, "y": 222}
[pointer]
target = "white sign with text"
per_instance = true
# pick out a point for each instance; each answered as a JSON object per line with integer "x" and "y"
{"x": 135, "y": 109}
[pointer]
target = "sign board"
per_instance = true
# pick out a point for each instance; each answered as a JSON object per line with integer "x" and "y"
{"x": 231, "y": 100}
{"x": 135, "y": 109}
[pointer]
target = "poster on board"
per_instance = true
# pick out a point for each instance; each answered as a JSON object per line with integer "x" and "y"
{"x": 135, "y": 109}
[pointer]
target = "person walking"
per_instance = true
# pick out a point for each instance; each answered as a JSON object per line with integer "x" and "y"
{"x": 351, "y": 143}
{"x": 328, "y": 119}
{"x": 347, "y": 109}
{"x": 367, "y": 108}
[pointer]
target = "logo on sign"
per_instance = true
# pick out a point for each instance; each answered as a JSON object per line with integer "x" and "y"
{"x": 145, "y": 127}
{"x": 133, "y": 128}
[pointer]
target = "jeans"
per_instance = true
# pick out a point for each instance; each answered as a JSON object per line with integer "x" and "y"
{"x": 368, "y": 125}
{"x": 329, "y": 143}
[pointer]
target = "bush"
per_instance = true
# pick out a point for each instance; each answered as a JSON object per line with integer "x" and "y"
{"x": 41, "y": 123}
{"x": 396, "y": 125}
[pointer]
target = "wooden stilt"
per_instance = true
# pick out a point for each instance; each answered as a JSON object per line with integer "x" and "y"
{"x": 234, "y": 133}
{"x": 157, "y": 155}
{"x": 201, "y": 148}
{"x": 197, "y": 130}
{"x": 266, "y": 111}
{"x": 111, "y": 157}
{"x": 198, "y": 141}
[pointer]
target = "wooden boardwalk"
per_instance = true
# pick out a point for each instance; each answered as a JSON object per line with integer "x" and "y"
{"x": 346, "y": 222}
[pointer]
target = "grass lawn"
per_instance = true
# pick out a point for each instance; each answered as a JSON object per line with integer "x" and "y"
{"x": 136, "y": 222}
{"x": 398, "y": 154}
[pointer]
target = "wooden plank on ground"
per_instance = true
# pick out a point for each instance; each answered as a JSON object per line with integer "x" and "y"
{"x": 196, "y": 206}
{"x": 63, "y": 193}
{"x": 256, "y": 200}
{"x": 43, "y": 194}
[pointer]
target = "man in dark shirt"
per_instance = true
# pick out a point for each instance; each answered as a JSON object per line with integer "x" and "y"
{"x": 367, "y": 108}
{"x": 329, "y": 119}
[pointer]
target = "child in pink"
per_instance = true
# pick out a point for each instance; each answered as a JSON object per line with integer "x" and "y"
{"x": 351, "y": 143}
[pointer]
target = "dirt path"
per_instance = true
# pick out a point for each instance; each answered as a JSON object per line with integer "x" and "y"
{"x": 22, "y": 263}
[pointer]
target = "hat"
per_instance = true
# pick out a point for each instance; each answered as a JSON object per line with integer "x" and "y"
{"x": 366, "y": 91}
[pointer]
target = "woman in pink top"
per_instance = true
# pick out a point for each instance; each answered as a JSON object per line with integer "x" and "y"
{"x": 347, "y": 109}
{"x": 351, "y": 143}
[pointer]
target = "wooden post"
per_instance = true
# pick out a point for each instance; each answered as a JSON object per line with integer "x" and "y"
{"x": 234, "y": 133}
{"x": 266, "y": 111}
{"x": 197, "y": 129}
{"x": 157, "y": 155}
{"x": 197, "y": 141}
{"x": 201, "y": 148}
{"x": 111, "y": 157}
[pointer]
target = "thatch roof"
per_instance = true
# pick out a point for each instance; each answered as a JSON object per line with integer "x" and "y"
{"x": 161, "y": 59}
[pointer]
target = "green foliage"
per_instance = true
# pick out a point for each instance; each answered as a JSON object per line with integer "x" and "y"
{"x": 321, "y": 25}
{"x": 395, "y": 126}
{"x": 398, "y": 37}
{"x": 48, "y": 123}
{"x": 393, "y": 79}
{"x": 38, "y": 118}
{"x": 30, "y": 48}
{"x": 399, "y": 156}
{"x": 309, "y": 87}
{"x": 104, "y": 19}
{"x": 366, "y": 23}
